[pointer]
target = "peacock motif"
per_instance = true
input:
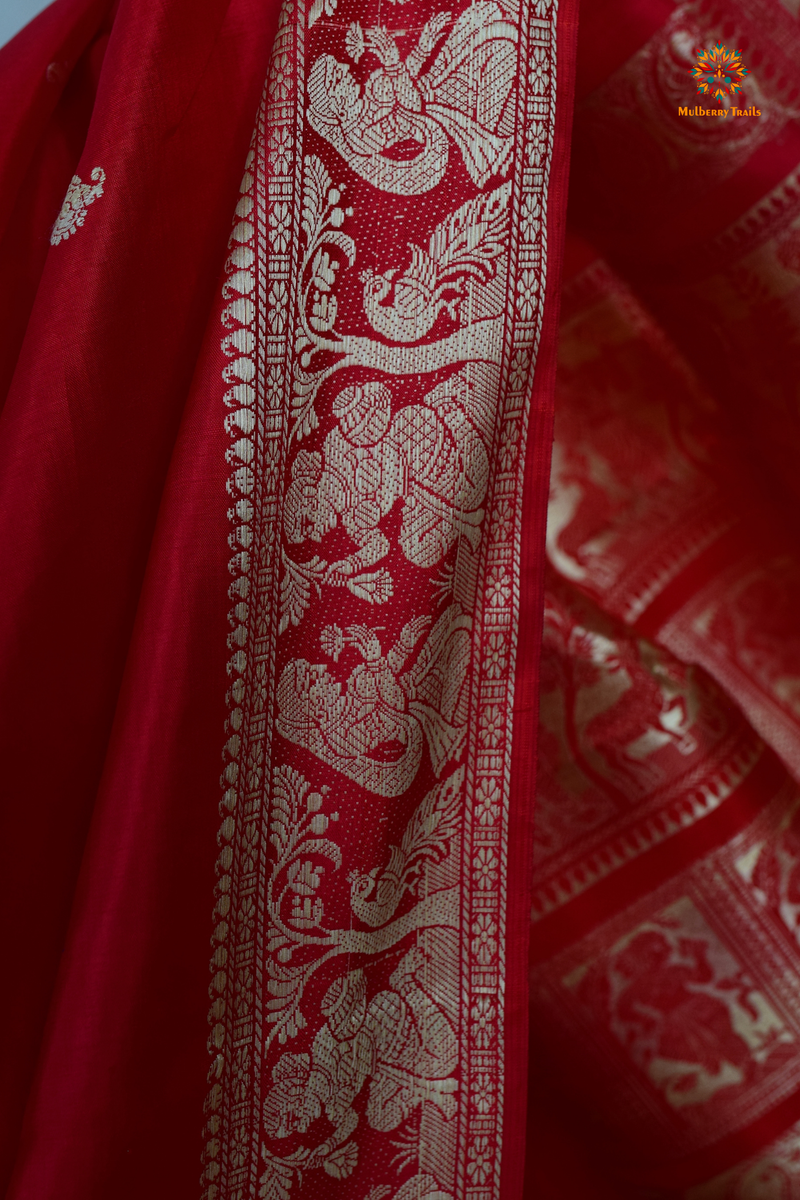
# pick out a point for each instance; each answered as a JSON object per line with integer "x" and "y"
{"x": 467, "y": 245}
{"x": 374, "y": 896}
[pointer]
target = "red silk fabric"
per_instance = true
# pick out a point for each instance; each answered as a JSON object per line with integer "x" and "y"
{"x": 111, "y": 722}
{"x": 135, "y": 550}
{"x": 664, "y": 950}
{"x": 595, "y": 997}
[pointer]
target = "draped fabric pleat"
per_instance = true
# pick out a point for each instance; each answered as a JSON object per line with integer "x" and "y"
{"x": 665, "y": 953}
{"x": 280, "y": 290}
{"x": 374, "y": 827}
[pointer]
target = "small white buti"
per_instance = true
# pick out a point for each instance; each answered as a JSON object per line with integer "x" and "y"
{"x": 73, "y": 211}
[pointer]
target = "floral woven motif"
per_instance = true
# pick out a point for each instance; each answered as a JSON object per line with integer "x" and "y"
{"x": 73, "y": 211}
{"x": 383, "y": 307}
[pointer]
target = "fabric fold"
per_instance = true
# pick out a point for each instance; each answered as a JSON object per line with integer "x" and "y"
{"x": 274, "y": 462}
{"x": 87, "y": 433}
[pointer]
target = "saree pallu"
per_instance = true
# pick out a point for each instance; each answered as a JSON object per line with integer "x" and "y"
{"x": 278, "y": 384}
{"x": 278, "y": 380}
{"x": 664, "y": 954}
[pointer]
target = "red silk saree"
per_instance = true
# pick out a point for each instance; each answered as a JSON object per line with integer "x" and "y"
{"x": 282, "y": 289}
{"x": 399, "y": 613}
{"x": 664, "y": 968}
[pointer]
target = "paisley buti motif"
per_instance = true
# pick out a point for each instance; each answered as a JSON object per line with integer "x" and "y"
{"x": 77, "y": 200}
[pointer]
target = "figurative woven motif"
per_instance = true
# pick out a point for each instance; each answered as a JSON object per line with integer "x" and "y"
{"x": 692, "y": 1034}
{"x": 678, "y": 1002}
{"x": 667, "y": 901}
{"x": 667, "y": 906}
{"x": 635, "y": 747}
{"x": 458, "y": 95}
{"x": 382, "y": 309}
{"x": 646, "y": 486}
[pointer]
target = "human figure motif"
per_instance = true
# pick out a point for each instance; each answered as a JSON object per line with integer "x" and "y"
{"x": 776, "y": 874}
{"x": 429, "y": 456}
{"x": 374, "y": 729}
{"x": 463, "y": 95}
{"x": 401, "y": 1044}
{"x": 662, "y": 1007}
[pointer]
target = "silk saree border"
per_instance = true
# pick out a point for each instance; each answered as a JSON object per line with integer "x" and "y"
{"x": 283, "y": 1067}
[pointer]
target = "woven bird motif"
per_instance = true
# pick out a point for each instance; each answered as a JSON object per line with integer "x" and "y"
{"x": 405, "y": 307}
{"x": 374, "y": 897}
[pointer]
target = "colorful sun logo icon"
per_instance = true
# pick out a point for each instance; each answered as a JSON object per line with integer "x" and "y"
{"x": 719, "y": 72}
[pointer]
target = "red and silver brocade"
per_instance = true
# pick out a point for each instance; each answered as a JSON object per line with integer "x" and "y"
{"x": 361, "y": 406}
{"x": 372, "y": 406}
{"x": 664, "y": 956}
{"x": 385, "y": 307}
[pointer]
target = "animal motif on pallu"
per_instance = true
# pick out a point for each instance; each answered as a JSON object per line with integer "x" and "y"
{"x": 379, "y": 355}
{"x": 428, "y": 457}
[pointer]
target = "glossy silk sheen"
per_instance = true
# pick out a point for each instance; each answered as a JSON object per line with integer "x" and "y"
{"x": 285, "y": 327}
{"x": 664, "y": 955}
{"x": 280, "y": 293}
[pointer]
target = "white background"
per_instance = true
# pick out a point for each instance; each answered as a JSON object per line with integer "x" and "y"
{"x": 16, "y": 13}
